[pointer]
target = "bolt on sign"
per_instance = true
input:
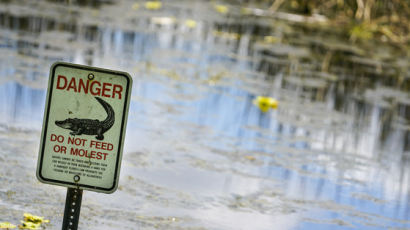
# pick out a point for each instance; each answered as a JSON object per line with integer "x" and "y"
{"x": 84, "y": 127}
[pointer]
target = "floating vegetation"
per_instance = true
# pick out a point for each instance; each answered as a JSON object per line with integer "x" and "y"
{"x": 190, "y": 23}
{"x": 223, "y": 9}
{"x": 32, "y": 222}
{"x": 29, "y": 222}
{"x": 153, "y": 5}
{"x": 251, "y": 158}
{"x": 34, "y": 219}
{"x": 265, "y": 103}
{"x": 7, "y": 225}
{"x": 29, "y": 225}
{"x": 270, "y": 39}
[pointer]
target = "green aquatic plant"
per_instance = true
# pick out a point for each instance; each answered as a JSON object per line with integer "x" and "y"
{"x": 362, "y": 31}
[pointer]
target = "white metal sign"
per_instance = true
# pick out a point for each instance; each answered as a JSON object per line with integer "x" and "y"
{"x": 84, "y": 127}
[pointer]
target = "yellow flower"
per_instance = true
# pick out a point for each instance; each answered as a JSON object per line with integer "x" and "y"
{"x": 34, "y": 219}
{"x": 265, "y": 103}
{"x": 190, "y": 23}
{"x": 29, "y": 225}
{"x": 221, "y": 9}
{"x": 7, "y": 225}
{"x": 153, "y": 5}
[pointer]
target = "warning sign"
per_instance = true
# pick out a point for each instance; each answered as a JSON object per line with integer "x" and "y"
{"x": 84, "y": 127}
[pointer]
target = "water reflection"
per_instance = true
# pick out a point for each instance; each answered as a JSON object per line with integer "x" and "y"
{"x": 333, "y": 156}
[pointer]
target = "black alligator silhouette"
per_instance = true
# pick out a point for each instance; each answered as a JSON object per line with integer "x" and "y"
{"x": 89, "y": 126}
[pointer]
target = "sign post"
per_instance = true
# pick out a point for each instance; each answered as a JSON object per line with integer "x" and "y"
{"x": 83, "y": 132}
{"x": 72, "y": 208}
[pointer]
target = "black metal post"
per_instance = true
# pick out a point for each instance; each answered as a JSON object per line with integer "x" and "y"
{"x": 72, "y": 208}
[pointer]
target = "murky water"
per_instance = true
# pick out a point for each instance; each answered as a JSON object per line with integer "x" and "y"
{"x": 199, "y": 154}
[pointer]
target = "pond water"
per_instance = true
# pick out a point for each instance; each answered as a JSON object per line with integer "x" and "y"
{"x": 198, "y": 153}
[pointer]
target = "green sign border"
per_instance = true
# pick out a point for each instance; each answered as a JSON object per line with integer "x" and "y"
{"x": 45, "y": 124}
